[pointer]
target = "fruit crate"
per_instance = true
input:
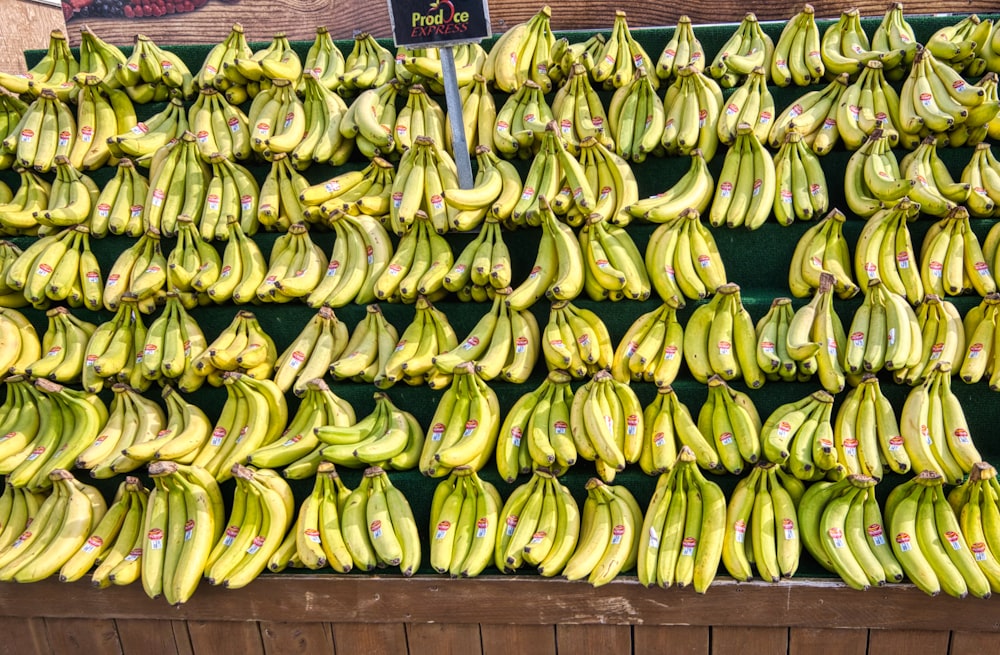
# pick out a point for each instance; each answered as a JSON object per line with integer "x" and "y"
{"x": 301, "y": 612}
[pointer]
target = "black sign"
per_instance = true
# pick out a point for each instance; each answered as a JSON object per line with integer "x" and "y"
{"x": 438, "y": 22}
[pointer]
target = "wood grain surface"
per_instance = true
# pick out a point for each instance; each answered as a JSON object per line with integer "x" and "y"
{"x": 26, "y": 26}
{"x": 299, "y": 18}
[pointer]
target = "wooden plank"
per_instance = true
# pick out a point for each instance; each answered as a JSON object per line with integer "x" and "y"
{"x": 182, "y": 639}
{"x": 907, "y": 642}
{"x": 291, "y": 638}
{"x": 23, "y": 636}
{"x": 298, "y": 18}
{"x": 370, "y": 638}
{"x": 142, "y": 636}
{"x": 732, "y": 640}
{"x": 225, "y": 638}
{"x": 683, "y": 639}
{"x": 444, "y": 638}
{"x": 518, "y": 639}
{"x": 842, "y": 641}
{"x": 963, "y": 643}
{"x": 26, "y": 27}
{"x": 587, "y": 639}
{"x": 82, "y": 636}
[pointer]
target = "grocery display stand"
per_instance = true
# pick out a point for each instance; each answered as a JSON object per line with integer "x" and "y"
{"x": 307, "y": 612}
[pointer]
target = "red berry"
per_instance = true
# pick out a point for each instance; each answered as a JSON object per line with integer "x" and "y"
{"x": 128, "y": 11}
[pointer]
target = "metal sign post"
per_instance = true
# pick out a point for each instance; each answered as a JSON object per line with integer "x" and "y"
{"x": 444, "y": 24}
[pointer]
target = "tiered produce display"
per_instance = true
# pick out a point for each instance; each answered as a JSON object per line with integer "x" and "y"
{"x": 720, "y": 303}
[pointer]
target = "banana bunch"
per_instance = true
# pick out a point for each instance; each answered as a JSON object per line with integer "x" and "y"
{"x": 618, "y": 63}
{"x": 934, "y": 429}
{"x": 651, "y": 349}
{"x": 744, "y": 195}
{"x": 421, "y": 116}
{"x": 378, "y": 525}
{"x": 522, "y": 53}
{"x": 542, "y": 526}
{"x": 544, "y": 181}
{"x": 10, "y": 297}
{"x": 189, "y": 257}
{"x": 979, "y": 353}
{"x": 846, "y": 48}
{"x": 928, "y": 540}
{"x": 814, "y": 116}
{"x": 483, "y": 266}
{"x": 868, "y": 104}
{"x": 683, "y": 260}
{"x": 842, "y": 527}
{"x": 933, "y": 186}
{"x": 175, "y": 341}
{"x": 692, "y": 110}
{"x": 479, "y": 116}
{"x": 884, "y": 333}
{"x": 220, "y": 127}
{"x": 323, "y": 142}
{"x": 577, "y": 110}
{"x": 11, "y": 111}
{"x": 935, "y": 98}
{"x": 178, "y": 186}
{"x": 615, "y": 189}
{"x": 729, "y": 421}
{"x": 213, "y": 71}
{"x": 310, "y": 354}
{"x": 720, "y": 339}
{"x": 426, "y": 337}
{"x": 185, "y": 429}
{"x": 558, "y": 271}
{"x": 97, "y": 120}
{"x": 608, "y": 542}
{"x": 366, "y": 191}
{"x": 21, "y": 415}
{"x": 152, "y": 74}
{"x": 132, "y": 420}
{"x": 295, "y": 268}
{"x": 299, "y": 448}
{"x": 315, "y": 537}
{"x": 139, "y": 270}
{"x": 278, "y": 62}
{"x": 419, "y": 266}
{"x": 111, "y": 538}
{"x": 465, "y": 520}
{"x": 951, "y": 260}
{"x": 424, "y": 66}
{"x": 371, "y": 120}
{"x": 693, "y": 191}
{"x": 884, "y": 250}
{"x": 681, "y": 538}
{"x": 71, "y": 198}
{"x": 668, "y": 429}
{"x": 58, "y": 529}
{"x": 613, "y": 266}
{"x": 942, "y": 336}
{"x": 536, "y": 431}
{"x": 822, "y": 248}
{"x": 866, "y": 434}
{"x": 759, "y": 504}
{"x": 324, "y": 60}
{"x": 364, "y": 356}
{"x": 19, "y": 342}
{"x": 960, "y": 45}
{"x": 143, "y": 140}
{"x": 120, "y": 206}
{"x": 464, "y": 428}
{"x": 895, "y": 33}
{"x": 424, "y": 174}
{"x": 682, "y": 49}
{"x": 576, "y": 340}
{"x": 387, "y": 437}
{"x": 606, "y": 423}
{"x": 277, "y": 118}
{"x": 521, "y": 122}
{"x": 68, "y": 422}
{"x": 983, "y": 180}
{"x": 815, "y": 338}
{"x": 636, "y": 117}
{"x": 751, "y": 103}
{"x": 254, "y": 415}
{"x": 115, "y": 350}
{"x": 798, "y": 435}
{"x": 64, "y": 269}
{"x": 367, "y": 66}
{"x": 801, "y": 189}
{"x": 54, "y": 71}
{"x": 63, "y": 346}
{"x": 565, "y": 55}
{"x": 47, "y": 129}
{"x": 747, "y": 48}
{"x": 17, "y": 215}
{"x": 243, "y": 268}
{"x": 797, "y": 58}
{"x": 974, "y": 502}
{"x": 242, "y": 346}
